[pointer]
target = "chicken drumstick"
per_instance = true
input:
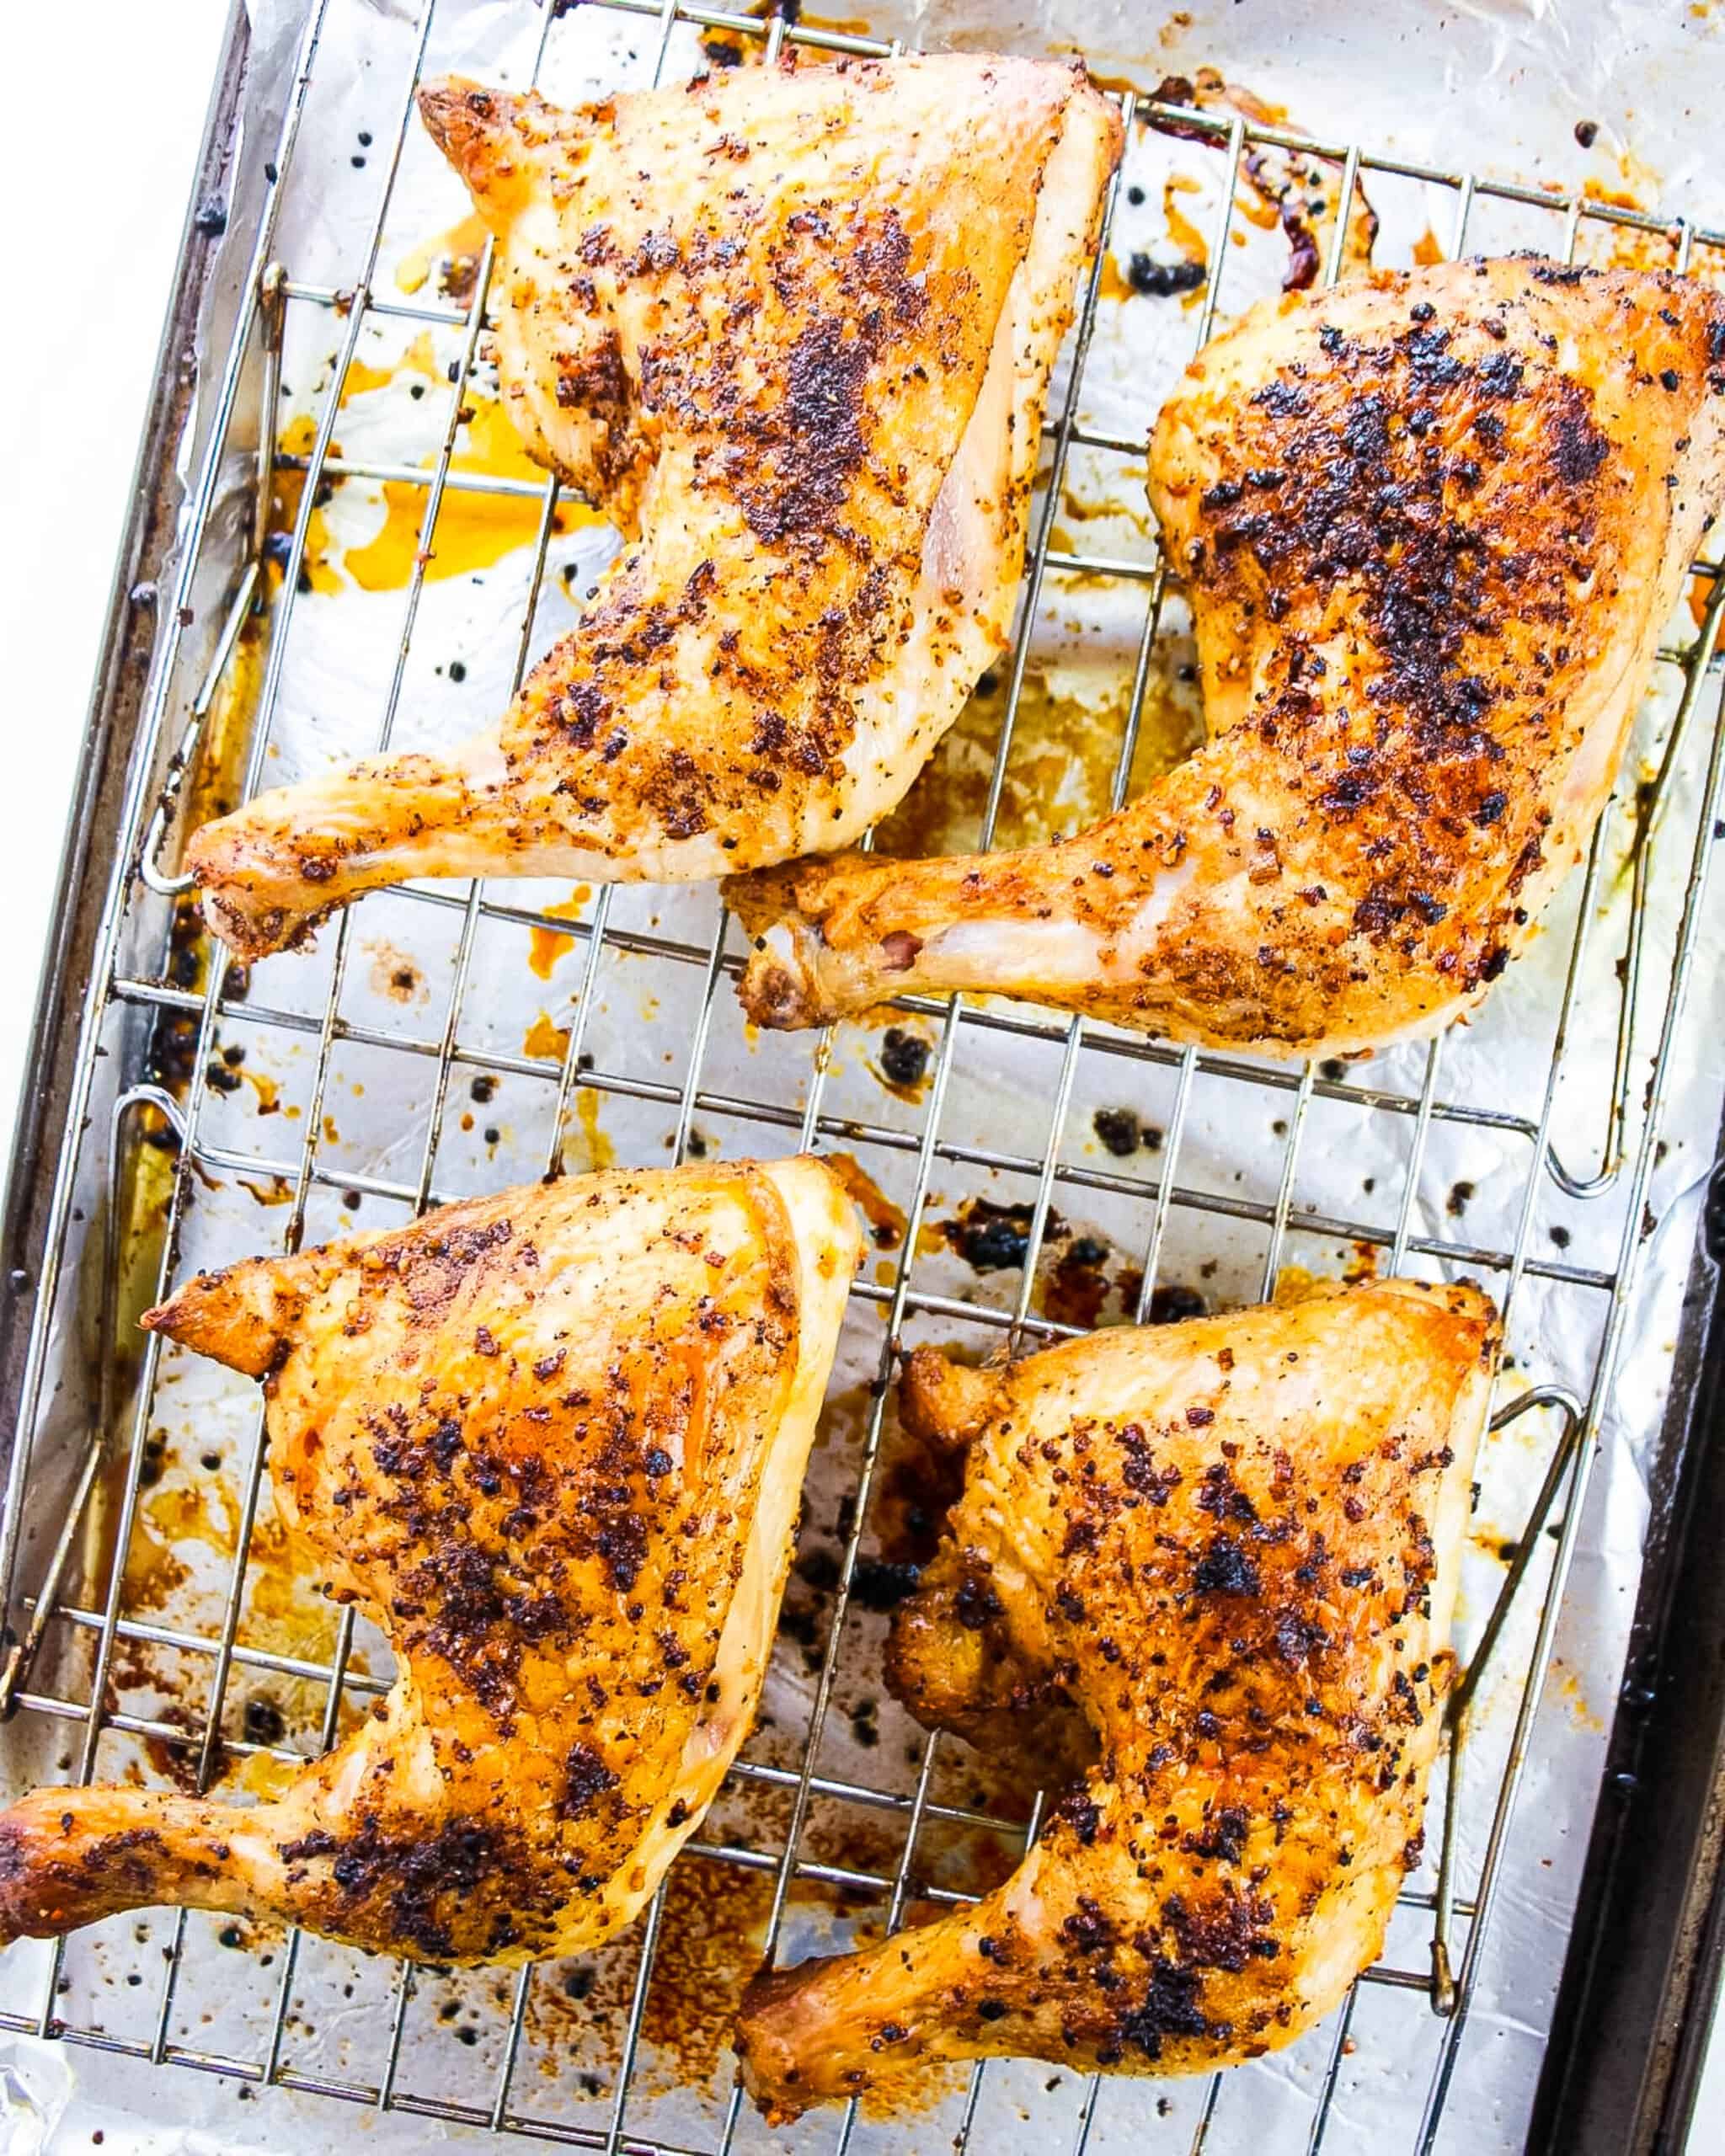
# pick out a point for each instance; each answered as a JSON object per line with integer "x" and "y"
{"x": 554, "y": 1442}
{"x": 1222, "y": 1556}
{"x": 791, "y": 326}
{"x": 1432, "y": 526}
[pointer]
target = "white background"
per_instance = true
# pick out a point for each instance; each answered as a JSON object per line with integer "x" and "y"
{"x": 97, "y": 161}
{"x": 104, "y": 123}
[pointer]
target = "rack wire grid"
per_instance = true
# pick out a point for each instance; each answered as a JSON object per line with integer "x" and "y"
{"x": 73, "y": 1622}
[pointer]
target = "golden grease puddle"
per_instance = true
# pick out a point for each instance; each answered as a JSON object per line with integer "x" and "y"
{"x": 886, "y": 1220}
{"x": 545, "y": 946}
{"x": 454, "y": 255}
{"x": 597, "y": 1150}
{"x": 474, "y": 530}
{"x": 1059, "y": 774}
{"x": 546, "y": 1038}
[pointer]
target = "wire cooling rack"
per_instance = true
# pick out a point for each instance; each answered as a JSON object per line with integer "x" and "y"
{"x": 72, "y": 1618}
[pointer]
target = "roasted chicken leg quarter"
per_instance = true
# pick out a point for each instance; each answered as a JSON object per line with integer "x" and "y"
{"x": 553, "y": 1441}
{"x": 1220, "y": 1557}
{"x": 791, "y": 326}
{"x": 1432, "y": 526}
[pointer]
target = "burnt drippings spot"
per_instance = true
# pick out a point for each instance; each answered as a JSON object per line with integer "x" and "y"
{"x": 989, "y": 1237}
{"x": 1079, "y": 1282}
{"x": 1173, "y": 1304}
{"x": 1302, "y": 272}
{"x": 262, "y": 1720}
{"x": 1119, "y": 1129}
{"x": 904, "y": 1056}
{"x": 881, "y": 1587}
{"x": 1161, "y": 280}
{"x": 818, "y": 1568}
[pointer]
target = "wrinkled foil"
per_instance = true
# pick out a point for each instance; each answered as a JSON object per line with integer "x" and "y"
{"x": 1500, "y": 89}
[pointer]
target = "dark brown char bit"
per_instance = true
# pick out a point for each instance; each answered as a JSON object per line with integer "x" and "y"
{"x": 1226, "y": 1930}
{"x": 1225, "y": 1568}
{"x": 586, "y": 1778}
{"x": 792, "y": 474}
{"x": 596, "y": 381}
{"x": 1169, "y": 2007}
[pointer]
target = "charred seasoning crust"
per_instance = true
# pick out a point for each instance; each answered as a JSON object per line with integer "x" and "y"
{"x": 836, "y": 313}
{"x": 44, "y": 1892}
{"x": 1449, "y": 478}
{"x": 467, "y": 1890}
{"x": 791, "y": 426}
{"x": 749, "y": 319}
{"x": 492, "y": 1544}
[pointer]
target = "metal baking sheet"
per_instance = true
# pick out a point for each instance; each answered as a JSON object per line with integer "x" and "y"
{"x": 442, "y": 1040}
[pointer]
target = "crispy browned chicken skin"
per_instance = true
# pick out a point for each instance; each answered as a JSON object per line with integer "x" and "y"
{"x": 1220, "y": 1557}
{"x": 1432, "y": 526}
{"x": 553, "y": 1441}
{"x": 792, "y": 329}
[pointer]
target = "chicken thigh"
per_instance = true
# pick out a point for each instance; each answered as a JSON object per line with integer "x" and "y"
{"x": 1432, "y": 525}
{"x": 1222, "y": 1555}
{"x": 792, "y": 327}
{"x": 553, "y": 1441}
